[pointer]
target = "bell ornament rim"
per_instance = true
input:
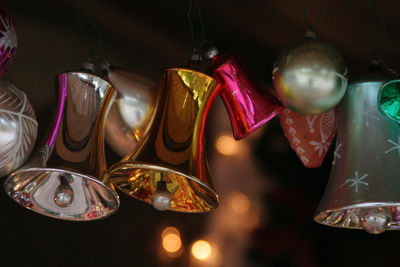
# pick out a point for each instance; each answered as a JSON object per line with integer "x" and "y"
{"x": 66, "y": 171}
{"x": 371, "y": 205}
{"x": 137, "y": 165}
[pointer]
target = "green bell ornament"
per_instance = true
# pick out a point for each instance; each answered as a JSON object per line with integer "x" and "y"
{"x": 310, "y": 77}
{"x": 389, "y": 100}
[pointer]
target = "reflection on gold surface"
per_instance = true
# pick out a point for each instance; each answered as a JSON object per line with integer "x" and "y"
{"x": 174, "y": 147}
{"x": 227, "y": 145}
{"x": 201, "y": 250}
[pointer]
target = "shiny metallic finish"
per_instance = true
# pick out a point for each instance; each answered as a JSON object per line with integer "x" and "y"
{"x": 389, "y": 100}
{"x": 132, "y": 113}
{"x": 310, "y": 77}
{"x": 248, "y": 104}
{"x": 365, "y": 173}
{"x": 18, "y": 127}
{"x": 173, "y": 151}
{"x": 66, "y": 178}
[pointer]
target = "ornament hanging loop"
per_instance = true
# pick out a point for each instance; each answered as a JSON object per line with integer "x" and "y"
{"x": 309, "y": 32}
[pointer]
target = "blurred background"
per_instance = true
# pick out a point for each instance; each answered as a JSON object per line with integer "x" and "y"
{"x": 267, "y": 197}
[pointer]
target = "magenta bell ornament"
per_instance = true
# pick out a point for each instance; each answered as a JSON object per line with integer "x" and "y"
{"x": 310, "y": 77}
{"x": 8, "y": 39}
{"x": 249, "y": 105}
{"x": 363, "y": 188}
{"x": 18, "y": 127}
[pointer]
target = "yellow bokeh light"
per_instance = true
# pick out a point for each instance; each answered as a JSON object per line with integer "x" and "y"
{"x": 171, "y": 243}
{"x": 201, "y": 250}
{"x": 240, "y": 203}
{"x": 227, "y": 145}
{"x": 170, "y": 230}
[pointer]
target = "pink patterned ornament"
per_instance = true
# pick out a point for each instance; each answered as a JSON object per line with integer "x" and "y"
{"x": 8, "y": 39}
{"x": 309, "y": 135}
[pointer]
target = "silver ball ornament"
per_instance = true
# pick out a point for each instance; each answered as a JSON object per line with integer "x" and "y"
{"x": 18, "y": 127}
{"x": 310, "y": 77}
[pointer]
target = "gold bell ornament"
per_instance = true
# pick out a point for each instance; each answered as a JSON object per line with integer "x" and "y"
{"x": 67, "y": 178}
{"x": 363, "y": 191}
{"x": 169, "y": 168}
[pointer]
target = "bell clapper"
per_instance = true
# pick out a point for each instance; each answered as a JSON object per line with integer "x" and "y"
{"x": 64, "y": 195}
{"x": 375, "y": 220}
{"x": 162, "y": 198}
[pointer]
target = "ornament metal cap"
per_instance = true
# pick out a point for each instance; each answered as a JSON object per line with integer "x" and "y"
{"x": 211, "y": 53}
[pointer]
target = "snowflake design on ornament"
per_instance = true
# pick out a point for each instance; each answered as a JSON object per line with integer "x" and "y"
{"x": 320, "y": 146}
{"x": 356, "y": 181}
{"x": 336, "y": 154}
{"x": 395, "y": 145}
{"x": 9, "y": 36}
{"x": 369, "y": 114}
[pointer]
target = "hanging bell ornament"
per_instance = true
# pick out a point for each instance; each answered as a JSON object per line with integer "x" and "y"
{"x": 389, "y": 100}
{"x": 249, "y": 105}
{"x": 132, "y": 112}
{"x": 310, "y": 77}
{"x": 8, "y": 39}
{"x": 169, "y": 169}
{"x": 363, "y": 188}
{"x": 18, "y": 127}
{"x": 66, "y": 178}
{"x": 310, "y": 136}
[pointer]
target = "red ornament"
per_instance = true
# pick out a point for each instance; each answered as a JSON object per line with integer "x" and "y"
{"x": 309, "y": 135}
{"x": 249, "y": 105}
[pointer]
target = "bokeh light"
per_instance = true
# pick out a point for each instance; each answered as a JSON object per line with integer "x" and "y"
{"x": 171, "y": 240}
{"x": 239, "y": 203}
{"x": 227, "y": 145}
{"x": 201, "y": 250}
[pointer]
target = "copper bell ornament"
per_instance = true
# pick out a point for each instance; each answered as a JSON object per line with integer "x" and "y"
{"x": 249, "y": 105}
{"x": 132, "y": 112}
{"x": 67, "y": 179}
{"x": 363, "y": 191}
{"x": 169, "y": 169}
{"x": 310, "y": 77}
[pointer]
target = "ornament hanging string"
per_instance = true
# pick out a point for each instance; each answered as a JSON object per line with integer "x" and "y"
{"x": 377, "y": 59}
{"x": 93, "y": 55}
{"x": 196, "y": 45}
{"x": 306, "y": 21}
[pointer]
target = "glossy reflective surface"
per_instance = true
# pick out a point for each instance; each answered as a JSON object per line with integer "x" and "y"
{"x": 8, "y": 39}
{"x": 366, "y": 169}
{"x": 248, "y": 104}
{"x": 174, "y": 149}
{"x": 310, "y": 77}
{"x": 389, "y": 100}
{"x": 132, "y": 113}
{"x": 66, "y": 178}
{"x": 18, "y": 127}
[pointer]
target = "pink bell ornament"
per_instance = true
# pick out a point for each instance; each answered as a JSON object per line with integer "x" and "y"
{"x": 8, "y": 39}
{"x": 310, "y": 77}
{"x": 249, "y": 105}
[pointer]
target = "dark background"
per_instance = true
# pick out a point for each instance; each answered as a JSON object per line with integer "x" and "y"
{"x": 150, "y": 35}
